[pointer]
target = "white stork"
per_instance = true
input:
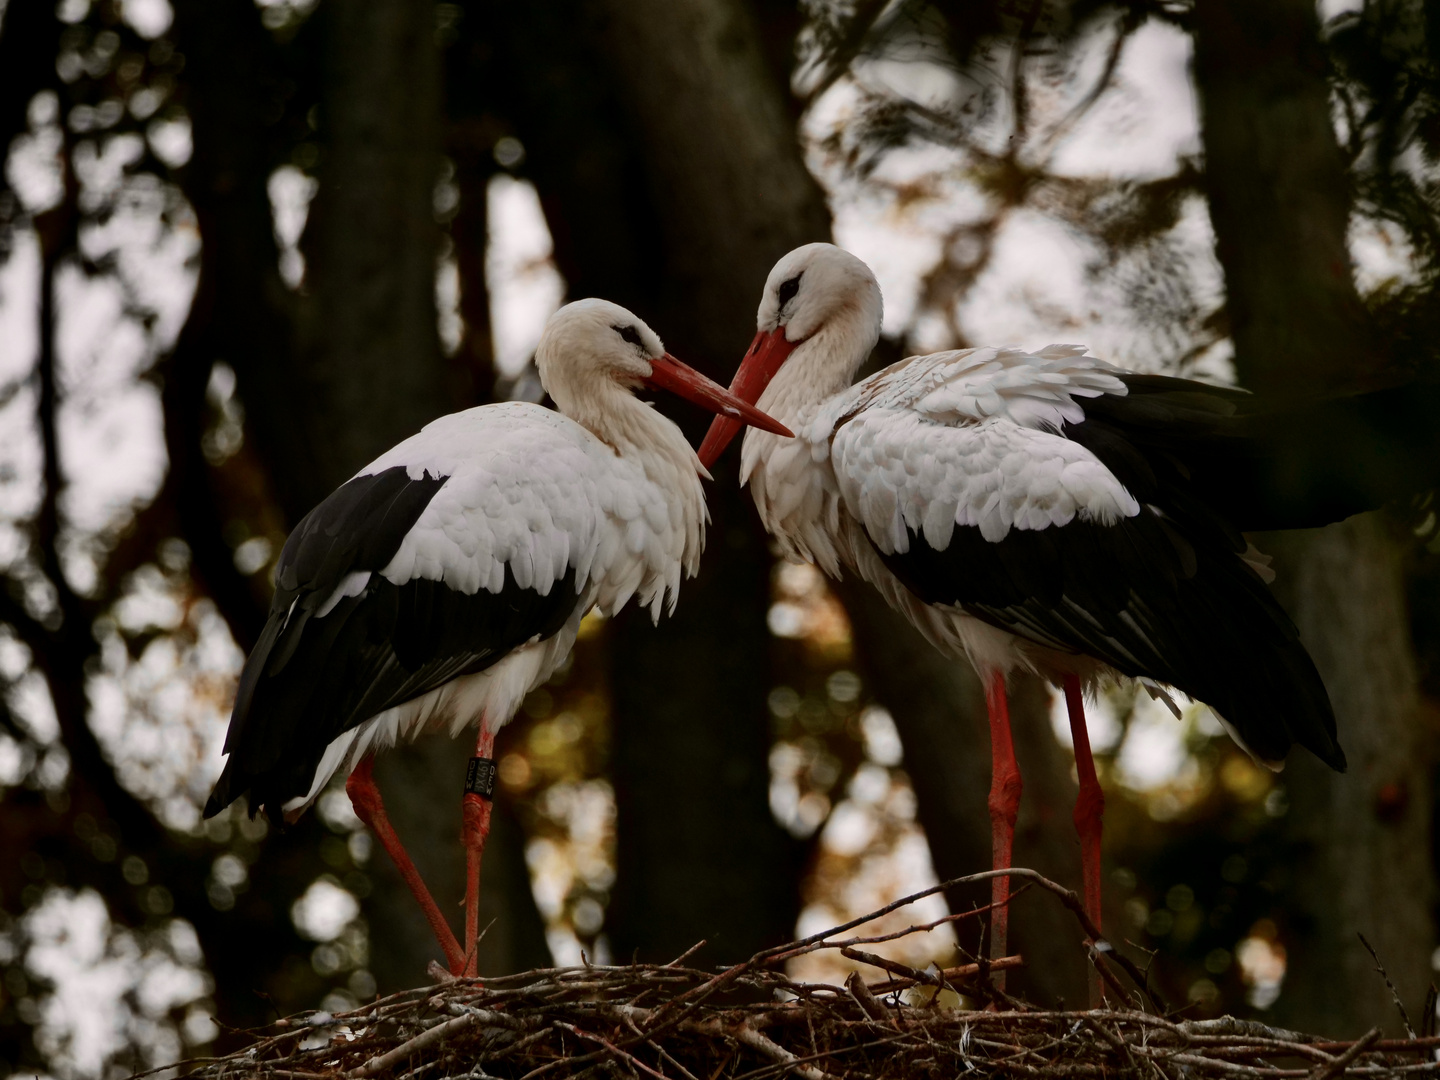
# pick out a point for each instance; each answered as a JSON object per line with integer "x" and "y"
{"x": 1051, "y": 513}
{"x": 447, "y": 580}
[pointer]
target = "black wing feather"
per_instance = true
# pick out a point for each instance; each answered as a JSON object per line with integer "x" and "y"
{"x": 313, "y": 677}
{"x": 1267, "y": 464}
{"x": 1139, "y": 597}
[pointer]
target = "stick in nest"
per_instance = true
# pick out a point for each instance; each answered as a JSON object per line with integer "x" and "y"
{"x": 665, "y": 1022}
{"x": 1394, "y": 994}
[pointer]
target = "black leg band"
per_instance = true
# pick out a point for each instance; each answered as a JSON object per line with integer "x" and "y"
{"x": 480, "y": 777}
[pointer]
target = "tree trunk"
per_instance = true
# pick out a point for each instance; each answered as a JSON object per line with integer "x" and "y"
{"x": 1360, "y": 841}
{"x": 672, "y": 180}
{"x": 370, "y": 342}
{"x": 700, "y": 855}
{"x": 1279, "y": 198}
{"x": 1280, "y": 206}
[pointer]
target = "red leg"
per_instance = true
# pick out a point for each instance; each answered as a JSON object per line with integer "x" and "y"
{"x": 1090, "y": 805}
{"x": 475, "y": 810}
{"x": 1005, "y": 787}
{"x": 370, "y": 809}
{"x": 1089, "y": 812}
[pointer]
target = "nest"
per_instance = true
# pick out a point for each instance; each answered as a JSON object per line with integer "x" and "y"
{"x": 752, "y": 1022}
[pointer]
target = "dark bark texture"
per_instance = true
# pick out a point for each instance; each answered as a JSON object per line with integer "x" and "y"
{"x": 1279, "y": 198}
{"x": 1361, "y": 842}
{"x": 369, "y": 354}
{"x": 672, "y": 180}
{"x": 1279, "y": 201}
{"x": 700, "y": 855}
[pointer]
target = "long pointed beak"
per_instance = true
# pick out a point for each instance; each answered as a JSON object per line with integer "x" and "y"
{"x": 767, "y": 352}
{"x": 667, "y": 373}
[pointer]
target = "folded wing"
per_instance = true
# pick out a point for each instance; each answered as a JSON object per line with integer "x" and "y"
{"x": 405, "y": 578}
{"x": 981, "y": 481}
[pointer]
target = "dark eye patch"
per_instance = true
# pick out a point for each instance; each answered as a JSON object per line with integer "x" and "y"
{"x": 630, "y": 334}
{"x": 789, "y": 289}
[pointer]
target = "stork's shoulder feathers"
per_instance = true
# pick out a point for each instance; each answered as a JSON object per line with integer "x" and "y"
{"x": 966, "y": 386}
{"x": 524, "y": 488}
{"x": 972, "y": 438}
{"x": 531, "y": 490}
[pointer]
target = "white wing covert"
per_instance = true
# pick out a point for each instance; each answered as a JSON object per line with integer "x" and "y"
{"x": 524, "y": 489}
{"x": 531, "y": 490}
{"x": 971, "y": 438}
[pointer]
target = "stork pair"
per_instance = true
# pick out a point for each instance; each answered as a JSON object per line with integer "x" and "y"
{"x": 1044, "y": 512}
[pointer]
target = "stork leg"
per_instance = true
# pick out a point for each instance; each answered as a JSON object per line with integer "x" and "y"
{"x": 1005, "y": 788}
{"x": 475, "y": 811}
{"x": 1089, "y": 815}
{"x": 1090, "y": 804}
{"x": 370, "y": 809}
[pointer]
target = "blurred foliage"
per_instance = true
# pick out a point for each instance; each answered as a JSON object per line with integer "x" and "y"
{"x": 1199, "y": 855}
{"x": 119, "y": 669}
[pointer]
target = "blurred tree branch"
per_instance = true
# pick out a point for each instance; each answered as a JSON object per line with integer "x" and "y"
{"x": 63, "y": 649}
{"x": 28, "y": 40}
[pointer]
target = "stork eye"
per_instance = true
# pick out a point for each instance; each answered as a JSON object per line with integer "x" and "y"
{"x": 630, "y": 334}
{"x": 789, "y": 289}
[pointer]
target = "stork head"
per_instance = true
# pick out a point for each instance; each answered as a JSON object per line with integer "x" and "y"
{"x": 592, "y": 350}
{"x": 820, "y": 311}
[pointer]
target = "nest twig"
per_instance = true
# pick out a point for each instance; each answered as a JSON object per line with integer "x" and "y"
{"x": 753, "y": 1022}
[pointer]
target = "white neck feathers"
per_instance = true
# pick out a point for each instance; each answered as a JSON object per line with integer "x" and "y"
{"x": 654, "y": 445}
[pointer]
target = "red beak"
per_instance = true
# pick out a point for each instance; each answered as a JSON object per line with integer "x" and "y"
{"x": 767, "y": 352}
{"x": 667, "y": 373}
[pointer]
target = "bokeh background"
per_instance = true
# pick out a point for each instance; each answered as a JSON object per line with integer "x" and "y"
{"x": 247, "y": 244}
